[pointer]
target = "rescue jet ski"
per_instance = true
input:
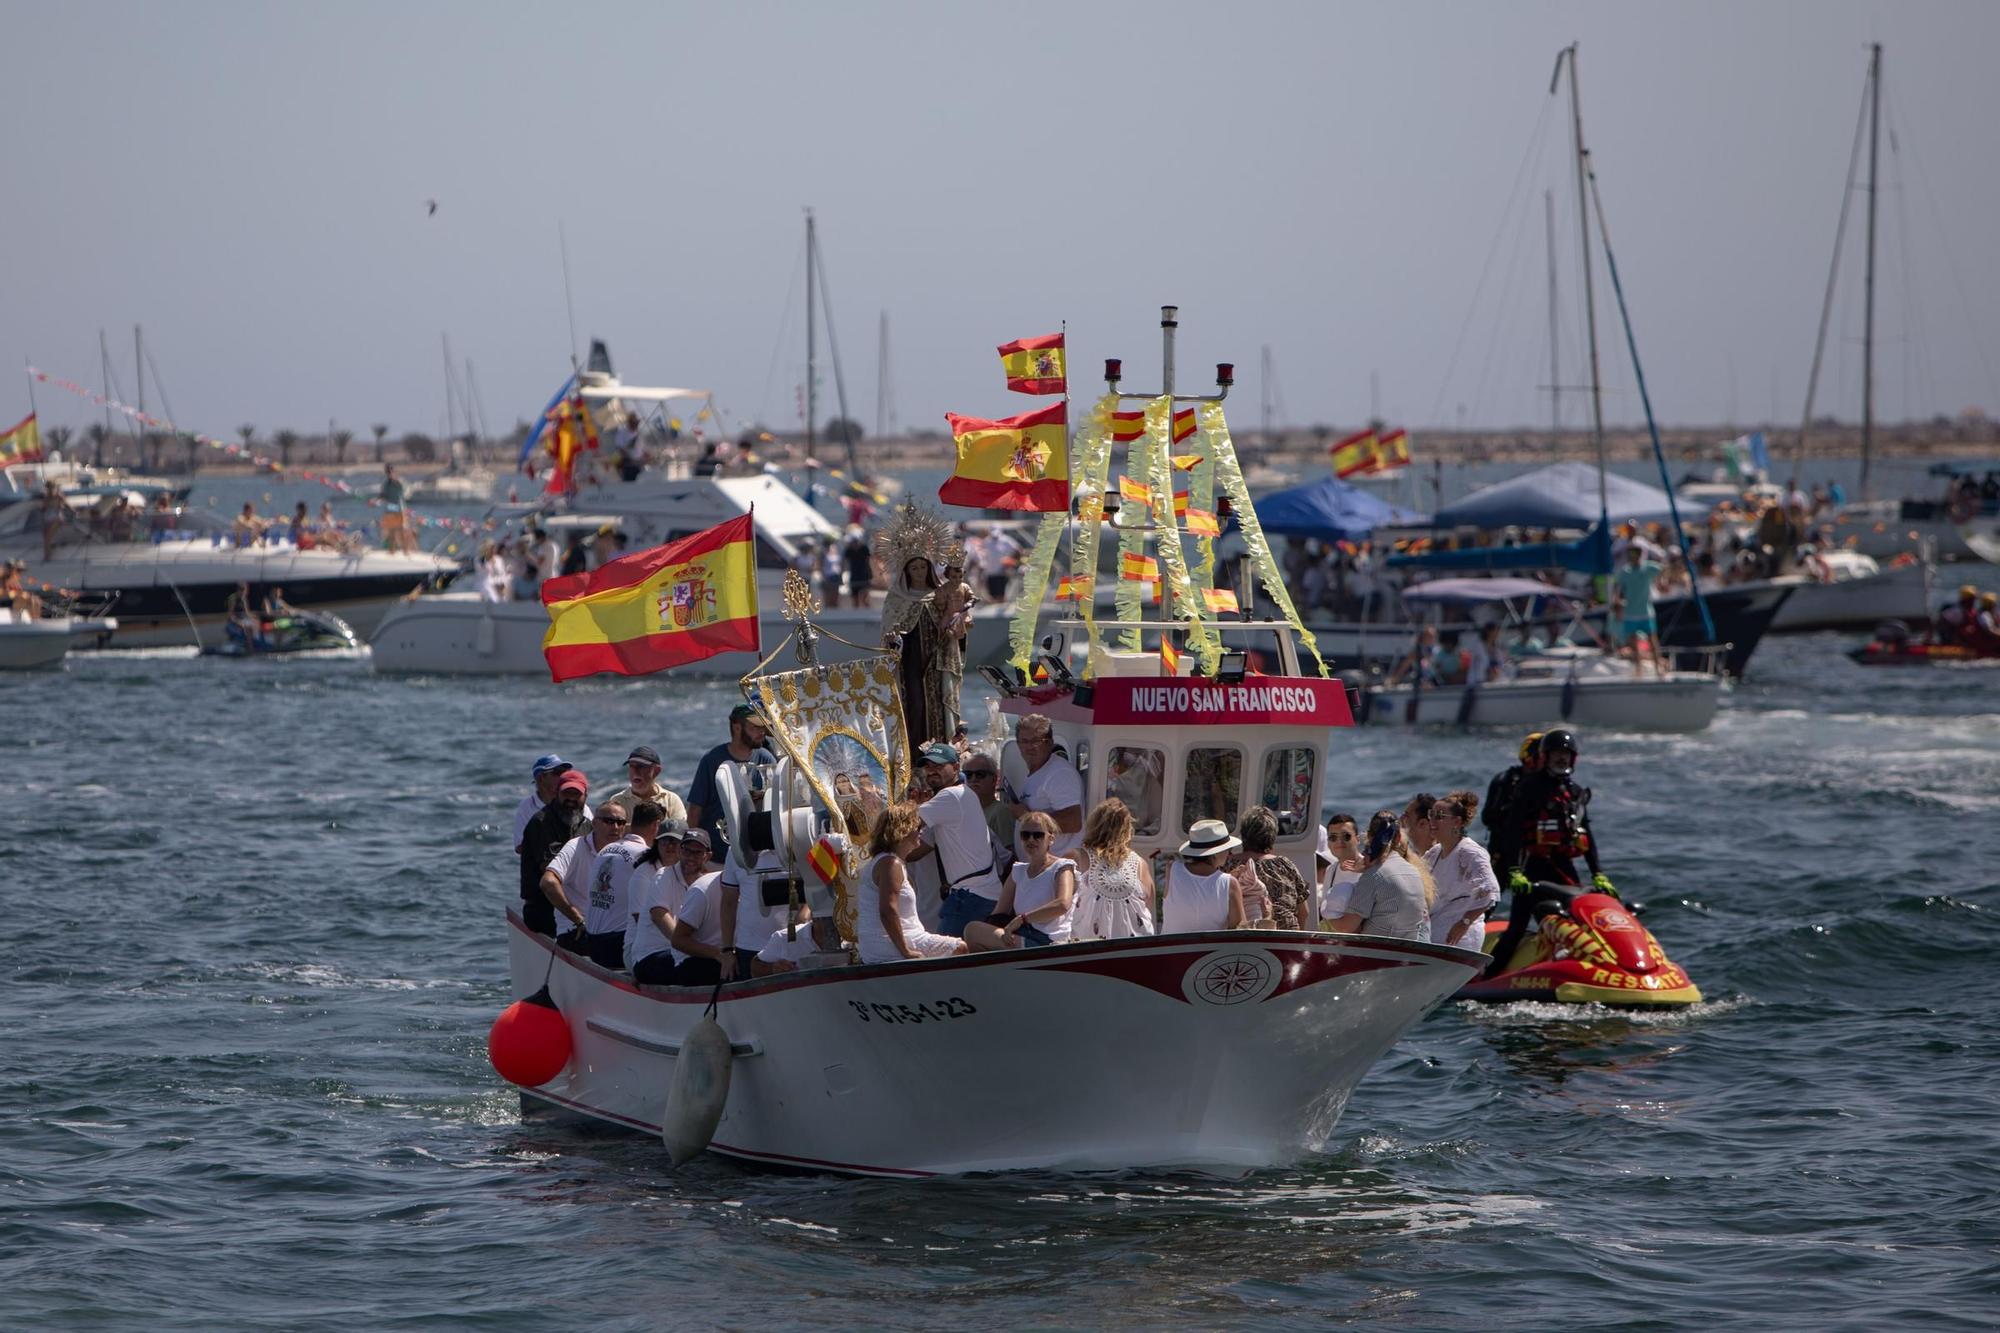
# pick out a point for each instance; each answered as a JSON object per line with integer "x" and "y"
{"x": 295, "y": 632}
{"x": 1893, "y": 646}
{"x": 1587, "y": 948}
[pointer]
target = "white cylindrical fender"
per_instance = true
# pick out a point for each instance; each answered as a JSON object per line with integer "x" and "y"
{"x": 700, "y": 1089}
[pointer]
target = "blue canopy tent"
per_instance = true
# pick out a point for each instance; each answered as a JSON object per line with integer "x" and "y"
{"x": 1562, "y": 495}
{"x": 1330, "y": 510}
{"x": 1590, "y": 554}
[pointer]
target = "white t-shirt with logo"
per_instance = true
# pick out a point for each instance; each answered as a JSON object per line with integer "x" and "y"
{"x": 609, "y": 908}
{"x": 701, "y": 913}
{"x": 652, "y": 886}
{"x": 1052, "y": 787}
{"x": 572, "y": 865}
{"x": 955, "y": 824}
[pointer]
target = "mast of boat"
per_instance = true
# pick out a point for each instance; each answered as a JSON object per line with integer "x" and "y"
{"x": 104, "y": 370}
{"x": 1555, "y": 361}
{"x": 812, "y": 250}
{"x": 450, "y": 399}
{"x": 1589, "y": 290}
{"x": 1868, "y": 290}
{"x": 139, "y": 365}
{"x": 883, "y": 410}
{"x": 1264, "y": 397}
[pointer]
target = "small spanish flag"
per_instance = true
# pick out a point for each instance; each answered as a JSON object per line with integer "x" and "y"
{"x": 657, "y": 608}
{"x": 1201, "y": 523}
{"x": 1180, "y": 503}
{"x": 1183, "y": 425}
{"x": 1218, "y": 600}
{"x": 1035, "y": 365}
{"x": 1186, "y": 462}
{"x": 825, "y": 861}
{"x": 1073, "y": 587}
{"x": 1129, "y": 426}
{"x": 1138, "y": 568}
{"x": 1393, "y": 451}
{"x": 1019, "y": 463}
{"x": 22, "y": 442}
{"x": 1354, "y": 455}
{"x": 1170, "y": 658}
{"x": 1134, "y": 492}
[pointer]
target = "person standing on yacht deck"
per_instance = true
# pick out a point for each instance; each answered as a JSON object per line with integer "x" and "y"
{"x": 954, "y": 825}
{"x": 552, "y": 828}
{"x": 642, "y": 767}
{"x": 396, "y": 534}
{"x": 1200, "y": 894}
{"x": 1052, "y": 785}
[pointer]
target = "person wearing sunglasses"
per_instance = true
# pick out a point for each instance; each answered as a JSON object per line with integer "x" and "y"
{"x": 1392, "y": 897}
{"x": 608, "y": 911}
{"x": 566, "y": 883}
{"x": 546, "y": 833}
{"x": 1343, "y": 844}
{"x": 1038, "y": 901}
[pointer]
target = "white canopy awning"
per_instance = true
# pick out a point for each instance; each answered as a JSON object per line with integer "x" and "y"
{"x": 639, "y": 392}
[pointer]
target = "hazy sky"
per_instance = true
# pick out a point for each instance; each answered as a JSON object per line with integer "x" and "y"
{"x": 248, "y": 181}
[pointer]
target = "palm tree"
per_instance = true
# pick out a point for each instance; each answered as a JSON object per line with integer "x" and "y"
{"x": 249, "y": 434}
{"x": 380, "y": 429}
{"x": 97, "y": 433}
{"x": 341, "y": 439}
{"x": 287, "y": 441}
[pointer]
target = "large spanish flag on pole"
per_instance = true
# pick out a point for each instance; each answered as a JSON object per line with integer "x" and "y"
{"x": 656, "y": 609}
{"x": 1035, "y": 365}
{"x": 21, "y": 443}
{"x": 1017, "y": 463}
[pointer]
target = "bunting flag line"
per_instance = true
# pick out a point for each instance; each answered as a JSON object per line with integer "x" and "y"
{"x": 1201, "y": 523}
{"x": 1218, "y": 600}
{"x": 1129, "y": 426}
{"x": 1138, "y": 568}
{"x": 1035, "y": 365}
{"x": 657, "y": 608}
{"x": 1183, "y": 425}
{"x": 21, "y": 442}
{"x": 1170, "y": 658}
{"x": 1019, "y": 463}
{"x": 1134, "y": 492}
{"x": 1354, "y": 455}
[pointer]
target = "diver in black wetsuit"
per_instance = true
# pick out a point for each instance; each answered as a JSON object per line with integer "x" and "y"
{"x": 1545, "y": 828}
{"x": 1500, "y": 800}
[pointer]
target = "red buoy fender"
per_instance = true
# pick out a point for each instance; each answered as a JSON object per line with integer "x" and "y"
{"x": 529, "y": 1043}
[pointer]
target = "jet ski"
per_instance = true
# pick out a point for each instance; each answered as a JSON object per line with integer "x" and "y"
{"x": 294, "y": 632}
{"x": 1893, "y": 646}
{"x": 1587, "y": 948}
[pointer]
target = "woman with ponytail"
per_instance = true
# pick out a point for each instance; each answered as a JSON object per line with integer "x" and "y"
{"x": 1391, "y": 898}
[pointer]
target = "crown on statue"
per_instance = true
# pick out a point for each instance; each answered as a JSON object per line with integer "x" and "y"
{"x": 914, "y": 532}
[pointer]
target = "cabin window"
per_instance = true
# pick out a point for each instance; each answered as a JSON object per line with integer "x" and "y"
{"x": 1214, "y": 786}
{"x": 1133, "y": 775}
{"x": 1287, "y": 787}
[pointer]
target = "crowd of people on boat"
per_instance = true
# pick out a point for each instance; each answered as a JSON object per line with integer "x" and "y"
{"x": 965, "y": 861}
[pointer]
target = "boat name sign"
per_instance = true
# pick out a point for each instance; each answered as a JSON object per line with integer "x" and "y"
{"x": 1258, "y": 701}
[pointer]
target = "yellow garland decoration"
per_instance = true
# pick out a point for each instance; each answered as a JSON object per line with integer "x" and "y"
{"x": 1091, "y": 478}
{"x": 1179, "y": 602}
{"x": 1130, "y": 595}
{"x": 1034, "y": 587}
{"x": 1259, "y": 550}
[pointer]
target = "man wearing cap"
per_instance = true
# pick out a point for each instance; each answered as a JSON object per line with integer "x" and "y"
{"x": 566, "y": 881}
{"x": 544, "y": 774}
{"x": 642, "y": 767}
{"x": 609, "y": 910}
{"x": 697, "y": 929}
{"x": 655, "y": 892}
{"x": 1052, "y": 785}
{"x": 555, "y": 826}
{"x": 954, "y": 821}
{"x": 747, "y": 729}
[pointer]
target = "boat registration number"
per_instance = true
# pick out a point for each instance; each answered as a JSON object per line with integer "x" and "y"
{"x": 937, "y": 1011}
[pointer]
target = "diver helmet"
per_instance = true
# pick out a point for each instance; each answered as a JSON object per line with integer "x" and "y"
{"x": 1530, "y": 753}
{"x": 1559, "y": 741}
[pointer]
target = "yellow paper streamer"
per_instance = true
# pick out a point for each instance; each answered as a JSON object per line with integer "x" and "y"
{"x": 1230, "y": 475}
{"x": 1034, "y": 587}
{"x": 1179, "y": 602}
{"x": 1092, "y": 460}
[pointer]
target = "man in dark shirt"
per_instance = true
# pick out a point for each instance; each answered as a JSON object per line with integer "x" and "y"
{"x": 747, "y": 730}
{"x": 555, "y": 824}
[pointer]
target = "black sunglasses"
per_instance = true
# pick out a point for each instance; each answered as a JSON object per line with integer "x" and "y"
{"x": 1033, "y": 837}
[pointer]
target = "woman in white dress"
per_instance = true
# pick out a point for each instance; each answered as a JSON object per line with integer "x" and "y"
{"x": 1038, "y": 898}
{"x": 886, "y": 926}
{"x": 1114, "y": 885}
{"x": 1466, "y": 886}
{"x": 1201, "y": 895}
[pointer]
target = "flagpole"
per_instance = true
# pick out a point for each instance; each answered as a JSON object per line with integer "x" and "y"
{"x": 1069, "y": 463}
{"x": 27, "y": 368}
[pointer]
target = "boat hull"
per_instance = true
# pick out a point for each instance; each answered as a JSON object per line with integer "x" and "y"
{"x": 1897, "y": 593}
{"x": 1680, "y": 701}
{"x": 37, "y": 645}
{"x": 1228, "y": 1051}
{"x": 458, "y": 633}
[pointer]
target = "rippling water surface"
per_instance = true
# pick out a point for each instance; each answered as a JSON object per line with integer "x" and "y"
{"x": 258, "y": 943}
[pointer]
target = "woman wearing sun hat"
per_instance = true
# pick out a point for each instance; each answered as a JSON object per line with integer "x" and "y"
{"x": 1200, "y": 894}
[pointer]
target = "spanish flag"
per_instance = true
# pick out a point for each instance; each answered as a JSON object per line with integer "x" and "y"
{"x": 1218, "y": 599}
{"x": 1073, "y": 587}
{"x": 1354, "y": 455}
{"x": 1134, "y": 492}
{"x": 1035, "y": 365}
{"x": 1180, "y": 504}
{"x": 658, "y": 608}
{"x": 1393, "y": 451}
{"x": 1019, "y": 463}
{"x": 22, "y": 443}
{"x": 1183, "y": 424}
{"x": 1170, "y": 658}
{"x": 1129, "y": 426}
{"x": 1138, "y": 568}
{"x": 1201, "y": 523}
{"x": 1186, "y": 462}
{"x": 825, "y": 861}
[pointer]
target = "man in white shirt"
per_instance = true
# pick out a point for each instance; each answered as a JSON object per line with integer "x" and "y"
{"x": 1052, "y": 785}
{"x": 566, "y": 883}
{"x": 780, "y": 954}
{"x": 697, "y": 933}
{"x": 655, "y": 895}
{"x": 955, "y": 827}
{"x": 609, "y": 910}
{"x": 745, "y": 920}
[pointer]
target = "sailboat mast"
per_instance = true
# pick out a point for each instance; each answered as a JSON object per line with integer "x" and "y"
{"x": 811, "y": 348}
{"x": 1868, "y": 297}
{"x": 1555, "y": 358}
{"x": 1589, "y": 287}
{"x": 882, "y": 375}
{"x": 139, "y": 365}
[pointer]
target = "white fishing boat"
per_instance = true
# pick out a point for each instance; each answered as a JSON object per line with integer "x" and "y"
{"x": 1226, "y": 1050}
{"x": 168, "y": 585}
{"x": 1848, "y": 590}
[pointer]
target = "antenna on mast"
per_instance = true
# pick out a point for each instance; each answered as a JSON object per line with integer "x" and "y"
{"x": 562, "y": 240}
